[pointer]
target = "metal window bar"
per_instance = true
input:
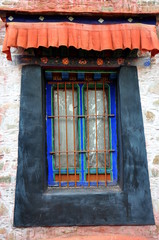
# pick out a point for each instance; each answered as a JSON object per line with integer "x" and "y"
{"x": 88, "y": 137}
{"x": 74, "y": 131}
{"x": 66, "y": 134}
{"x": 83, "y": 116}
{"x": 108, "y": 132}
{"x": 96, "y": 134}
{"x": 59, "y": 135}
{"x": 105, "y": 160}
{"x": 87, "y": 116}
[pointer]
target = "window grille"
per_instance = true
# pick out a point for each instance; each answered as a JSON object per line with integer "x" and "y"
{"x": 81, "y": 130}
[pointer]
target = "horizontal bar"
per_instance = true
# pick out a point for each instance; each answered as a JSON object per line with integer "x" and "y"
{"x": 113, "y": 150}
{"x": 100, "y": 171}
{"x": 62, "y": 82}
{"x": 85, "y": 184}
{"x": 83, "y": 116}
{"x": 81, "y": 71}
{"x": 78, "y": 171}
{"x": 82, "y": 151}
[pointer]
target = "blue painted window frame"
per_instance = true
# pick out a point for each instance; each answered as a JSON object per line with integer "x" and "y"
{"x": 82, "y": 171}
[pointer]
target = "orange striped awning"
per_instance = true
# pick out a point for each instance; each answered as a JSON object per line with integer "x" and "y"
{"x": 85, "y": 36}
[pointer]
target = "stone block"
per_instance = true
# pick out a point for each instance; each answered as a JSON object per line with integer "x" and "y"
{"x": 150, "y": 116}
{"x": 6, "y": 179}
{"x": 156, "y": 160}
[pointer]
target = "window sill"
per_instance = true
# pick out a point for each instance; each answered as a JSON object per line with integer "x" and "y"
{"x": 76, "y": 191}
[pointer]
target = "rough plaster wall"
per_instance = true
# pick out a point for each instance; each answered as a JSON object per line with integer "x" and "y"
{"x": 10, "y": 75}
{"x": 149, "y": 91}
{"x": 83, "y": 5}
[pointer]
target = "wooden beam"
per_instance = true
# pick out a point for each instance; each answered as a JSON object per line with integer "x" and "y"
{"x": 83, "y": 62}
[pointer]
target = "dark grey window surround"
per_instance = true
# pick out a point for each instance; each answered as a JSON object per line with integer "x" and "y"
{"x": 36, "y": 206}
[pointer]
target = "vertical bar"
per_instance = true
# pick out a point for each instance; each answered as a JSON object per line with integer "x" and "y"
{"x": 108, "y": 112}
{"x": 105, "y": 161}
{"x": 49, "y": 135}
{"x": 84, "y": 137}
{"x": 96, "y": 135}
{"x": 81, "y": 131}
{"x": 74, "y": 131}
{"x": 113, "y": 131}
{"x": 88, "y": 137}
{"x": 59, "y": 134}
{"x": 66, "y": 134}
{"x": 53, "y": 130}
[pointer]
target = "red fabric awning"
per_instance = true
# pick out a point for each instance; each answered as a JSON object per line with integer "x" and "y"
{"x": 85, "y": 36}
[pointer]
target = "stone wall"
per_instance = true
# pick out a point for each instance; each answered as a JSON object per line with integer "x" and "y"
{"x": 10, "y": 75}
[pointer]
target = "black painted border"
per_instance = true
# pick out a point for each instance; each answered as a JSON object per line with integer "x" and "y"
{"x": 35, "y": 206}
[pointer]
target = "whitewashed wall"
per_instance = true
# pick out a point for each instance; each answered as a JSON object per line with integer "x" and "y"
{"x": 149, "y": 92}
{"x": 10, "y": 76}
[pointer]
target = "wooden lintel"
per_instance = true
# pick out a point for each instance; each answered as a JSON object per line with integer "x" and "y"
{"x": 83, "y": 62}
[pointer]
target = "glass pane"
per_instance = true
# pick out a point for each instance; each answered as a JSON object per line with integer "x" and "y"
{"x": 60, "y": 131}
{"x": 93, "y": 143}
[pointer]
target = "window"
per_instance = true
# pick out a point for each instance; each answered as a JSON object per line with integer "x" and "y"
{"x": 36, "y": 205}
{"x": 81, "y": 130}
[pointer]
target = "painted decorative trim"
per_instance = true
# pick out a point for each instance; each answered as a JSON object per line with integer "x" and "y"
{"x": 78, "y": 19}
{"x": 91, "y": 62}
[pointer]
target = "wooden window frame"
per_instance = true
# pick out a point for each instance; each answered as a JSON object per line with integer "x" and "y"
{"x": 35, "y": 205}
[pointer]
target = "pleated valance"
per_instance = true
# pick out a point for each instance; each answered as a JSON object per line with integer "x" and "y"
{"x": 85, "y": 36}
